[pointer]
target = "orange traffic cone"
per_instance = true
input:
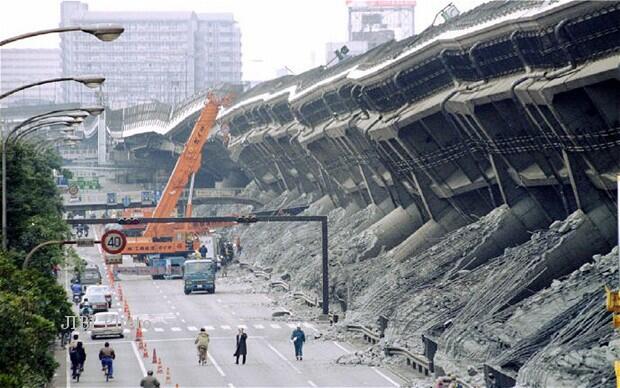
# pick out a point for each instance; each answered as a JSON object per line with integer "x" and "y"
{"x": 140, "y": 344}
{"x": 139, "y": 331}
{"x": 126, "y": 307}
{"x": 168, "y": 377}
{"x": 145, "y": 354}
{"x": 154, "y": 356}
{"x": 160, "y": 367}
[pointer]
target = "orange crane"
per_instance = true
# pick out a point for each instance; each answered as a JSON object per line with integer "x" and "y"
{"x": 174, "y": 238}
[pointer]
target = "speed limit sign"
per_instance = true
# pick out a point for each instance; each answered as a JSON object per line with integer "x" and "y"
{"x": 113, "y": 242}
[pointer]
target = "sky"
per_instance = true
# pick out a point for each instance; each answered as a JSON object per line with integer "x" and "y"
{"x": 275, "y": 33}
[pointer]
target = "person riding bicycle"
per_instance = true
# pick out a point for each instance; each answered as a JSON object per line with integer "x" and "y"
{"x": 149, "y": 381}
{"x": 106, "y": 355}
{"x": 86, "y": 312}
{"x": 203, "y": 345}
{"x": 76, "y": 288}
{"x": 77, "y": 355}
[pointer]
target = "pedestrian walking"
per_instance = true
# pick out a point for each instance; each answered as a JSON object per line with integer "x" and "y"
{"x": 242, "y": 349}
{"x": 298, "y": 338}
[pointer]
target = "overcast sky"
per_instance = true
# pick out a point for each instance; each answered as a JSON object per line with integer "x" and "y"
{"x": 275, "y": 33}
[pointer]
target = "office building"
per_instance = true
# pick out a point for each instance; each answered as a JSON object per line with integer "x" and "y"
{"x": 19, "y": 67}
{"x": 161, "y": 56}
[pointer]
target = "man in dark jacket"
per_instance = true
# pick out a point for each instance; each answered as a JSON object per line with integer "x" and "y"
{"x": 78, "y": 357}
{"x": 298, "y": 338}
{"x": 242, "y": 349}
{"x": 203, "y": 251}
{"x": 149, "y": 381}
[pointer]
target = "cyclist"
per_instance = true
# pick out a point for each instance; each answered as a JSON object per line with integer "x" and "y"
{"x": 203, "y": 344}
{"x": 86, "y": 312}
{"x": 106, "y": 355}
{"x": 149, "y": 381}
{"x": 76, "y": 290}
{"x": 77, "y": 355}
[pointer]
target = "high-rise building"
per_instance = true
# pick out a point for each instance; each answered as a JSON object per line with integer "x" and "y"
{"x": 377, "y": 21}
{"x": 19, "y": 67}
{"x": 161, "y": 56}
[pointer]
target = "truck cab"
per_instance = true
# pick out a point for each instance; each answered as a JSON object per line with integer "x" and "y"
{"x": 199, "y": 275}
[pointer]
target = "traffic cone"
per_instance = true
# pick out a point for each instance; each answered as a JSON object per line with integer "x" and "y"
{"x": 126, "y": 307}
{"x": 160, "y": 367}
{"x": 145, "y": 353}
{"x": 140, "y": 344}
{"x": 168, "y": 377}
{"x": 154, "y": 356}
{"x": 139, "y": 331}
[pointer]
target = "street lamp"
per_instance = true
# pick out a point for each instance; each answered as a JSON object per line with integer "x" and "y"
{"x": 91, "y": 81}
{"x": 103, "y": 32}
{"x": 92, "y": 110}
{"x": 36, "y": 127}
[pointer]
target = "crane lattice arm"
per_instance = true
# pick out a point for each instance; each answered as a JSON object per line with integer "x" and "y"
{"x": 187, "y": 165}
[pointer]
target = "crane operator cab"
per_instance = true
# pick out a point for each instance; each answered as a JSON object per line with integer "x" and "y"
{"x": 199, "y": 275}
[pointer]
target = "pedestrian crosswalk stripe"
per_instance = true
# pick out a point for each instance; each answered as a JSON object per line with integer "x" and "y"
{"x": 176, "y": 329}
{"x": 225, "y": 327}
{"x": 242, "y": 327}
{"x": 291, "y": 325}
{"x": 275, "y": 325}
{"x": 259, "y": 326}
{"x": 192, "y": 328}
{"x": 125, "y": 331}
{"x": 209, "y": 327}
{"x": 159, "y": 329}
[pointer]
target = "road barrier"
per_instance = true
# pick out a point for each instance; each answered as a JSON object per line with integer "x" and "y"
{"x": 370, "y": 336}
{"x": 418, "y": 361}
{"x": 280, "y": 283}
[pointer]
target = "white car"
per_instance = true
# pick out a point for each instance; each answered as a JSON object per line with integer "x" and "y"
{"x": 105, "y": 290}
{"x": 107, "y": 324}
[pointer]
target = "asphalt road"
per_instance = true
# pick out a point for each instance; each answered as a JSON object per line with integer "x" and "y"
{"x": 171, "y": 321}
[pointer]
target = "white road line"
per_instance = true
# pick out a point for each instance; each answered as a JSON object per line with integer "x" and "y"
{"x": 291, "y": 325}
{"x": 244, "y": 327}
{"x": 282, "y": 357}
{"x": 230, "y": 385}
{"x": 183, "y": 320}
{"x": 174, "y": 307}
{"x": 126, "y": 331}
{"x": 312, "y": 384}
{"x": 192, "y": 328}
{"x": 225, "y": 327}
{"x": 259, "y": 326}
{"x": 394, "y": 383}
{"x": 144, "y": 329}
{"x": 178, "y": 313}
{"x": 135, "y": 351}
{"x": 209, "y": 327}
{"x": 341, "y": 347}
{"x": 223, "y": 338}
{"x": 233, "y": 313}
{"x": 215, "y": 364}
{"x": 275, "y": 326}
{"x": 219, "y": 301}
{"x": 309, "y": 326}
{"x": 165, "y": 296}
{"x": 158, "y": 329}
{"x": 176, "y": 329}
{"x": 69, "y": 373}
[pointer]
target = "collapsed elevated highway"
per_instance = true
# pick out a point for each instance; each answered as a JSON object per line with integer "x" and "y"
{"x": 498, "y": 132}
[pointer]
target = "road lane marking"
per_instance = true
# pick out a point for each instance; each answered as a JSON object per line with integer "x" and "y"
{"x": 174, "y": 307}
{"x": 282, "y": 357}
{"x": 230, "y": 385}
{"x": 209, "y": 327}
{"x": 182, "y": 320}
{"x": 223, "y": 338}
{"x": 176, "y": 329}
{"x": 126, "y": 331}
{"x": 257, "y": 326}
{"x": 68, "y": 369}
{"x": 178, "y": 313}
{"x": 291, "y": 325}
{"x": 244, "y": 327}
{"x": 341, "y": 347}
{"x": 165, "y": 296}
{"x": 312, "y": 384}
{"x": 233, "y": 313}
{"x": 158, "y": 329}
{"x": 215, "y": 364}
{"x": 219, "y": 301}
{"x": 135, "y": 351}
{"x": 306, "y": 324}
{"x": 275, "y": 326}
{"x": 145, "y": 329}
{"x": 192, "y": 328}
{"x": 394, "y": 383}
{"x": 225, "y": 327}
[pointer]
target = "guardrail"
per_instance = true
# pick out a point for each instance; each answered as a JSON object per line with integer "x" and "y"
{"x": 418, "y": 361}
{"x": 280, "y": 283}
{"x": 370, "y": 336}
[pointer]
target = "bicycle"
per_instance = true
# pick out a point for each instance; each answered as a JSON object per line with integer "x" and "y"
{"x": 202, "y": 355}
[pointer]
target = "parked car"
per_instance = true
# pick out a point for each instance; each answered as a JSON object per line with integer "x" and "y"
{"x": 106, "y": 324}
{"x": 105, "y": 290}
{"x": 97, "y": 302}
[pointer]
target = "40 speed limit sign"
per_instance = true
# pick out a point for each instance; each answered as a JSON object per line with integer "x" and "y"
{"x": 113, "y": 241}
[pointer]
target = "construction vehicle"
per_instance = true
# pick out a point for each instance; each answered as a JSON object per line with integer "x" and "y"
{"x": 178, "y": 238}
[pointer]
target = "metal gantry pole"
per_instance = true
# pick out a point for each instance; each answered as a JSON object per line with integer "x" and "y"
{"x": 4, "y": 223}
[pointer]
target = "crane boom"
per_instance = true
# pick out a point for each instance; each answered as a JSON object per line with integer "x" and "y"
{"x": 187, "y": 165}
